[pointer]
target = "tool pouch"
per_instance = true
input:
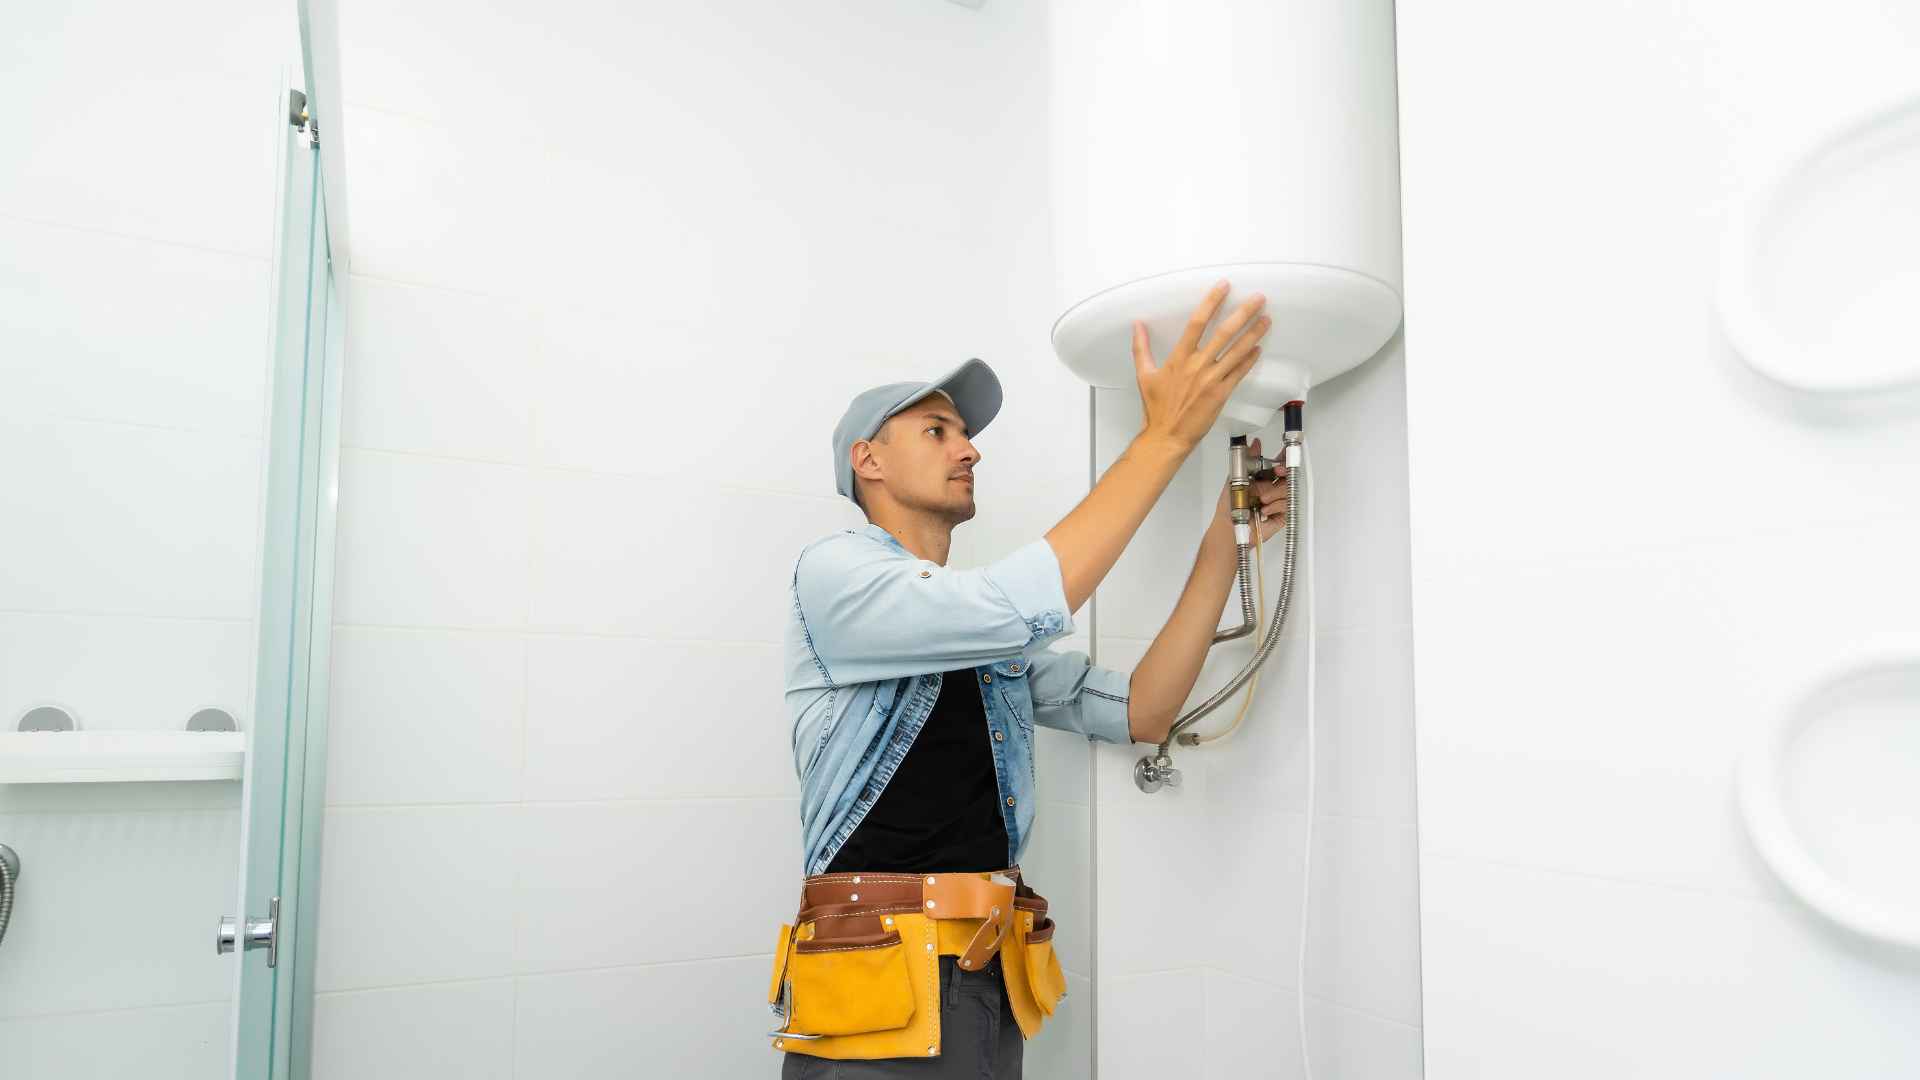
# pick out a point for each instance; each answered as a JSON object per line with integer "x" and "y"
{"x": 1044, "y": 977}
{"x": 861, "y": 981}
{"x": 851, "y": 985}
{"x": 862, "y": 986}
{"x": 1035, "y": 983}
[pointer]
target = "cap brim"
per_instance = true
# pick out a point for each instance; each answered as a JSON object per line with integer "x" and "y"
{"x": 975, "y": 391}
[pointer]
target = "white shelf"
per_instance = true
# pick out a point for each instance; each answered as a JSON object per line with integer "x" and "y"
{"x": 85, "y": 757}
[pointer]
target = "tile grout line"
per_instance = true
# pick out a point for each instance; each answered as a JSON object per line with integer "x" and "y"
{"x": 81, "y": 811}
{"x": 1205, "y": 969}
{"x": 664, "y": 480}
{"x": 1322, "y": 999}
{"x": 95, "y": 230}
{"x": 539, "y": 803}
{"x": 531, "y": 631}
{"x": 518, "y": 889}
{"x": 24, "y": 418}
{"x": 234, "y": 620}
{"x": 1781, "y": 903}
{"x": 516, "y": 976}
{"x": 64, "y": 1014}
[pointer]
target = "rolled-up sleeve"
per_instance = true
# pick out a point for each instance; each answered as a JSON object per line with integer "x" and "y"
{"x": 870, "y": 612}
{"x": 1071, "y": 694}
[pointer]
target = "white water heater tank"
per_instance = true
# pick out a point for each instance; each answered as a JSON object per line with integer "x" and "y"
{"x": 1253, "y": 140}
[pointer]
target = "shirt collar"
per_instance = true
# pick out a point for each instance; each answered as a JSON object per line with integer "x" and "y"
{"x": 875, "y": 532}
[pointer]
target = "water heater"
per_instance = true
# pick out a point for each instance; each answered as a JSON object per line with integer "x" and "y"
{"x": 1253, "y": 140}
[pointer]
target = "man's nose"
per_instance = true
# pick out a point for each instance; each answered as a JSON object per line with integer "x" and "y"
{"x": 970, "y": 454}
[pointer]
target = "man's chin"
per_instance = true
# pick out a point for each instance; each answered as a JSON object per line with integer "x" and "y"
{"x": 955, "y": 509}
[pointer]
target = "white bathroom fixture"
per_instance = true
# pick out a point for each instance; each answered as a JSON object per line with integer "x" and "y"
{"x": 1819, "y": 273}
{"x": 1855, "y": 722}
{"x": 1252, "y": 140}
{"x": 1326, "y": 320}
{"x": 83, "y": 757}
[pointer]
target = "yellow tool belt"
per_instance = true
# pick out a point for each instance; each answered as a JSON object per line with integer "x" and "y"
{"x": 857, "y": 972}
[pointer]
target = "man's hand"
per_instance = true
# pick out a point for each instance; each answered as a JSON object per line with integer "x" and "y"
{"x": 1183, "y": 397}
{"x": 1270, "y": 513}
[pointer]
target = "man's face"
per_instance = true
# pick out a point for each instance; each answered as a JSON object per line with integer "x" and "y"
{"x": 928, "y": 460}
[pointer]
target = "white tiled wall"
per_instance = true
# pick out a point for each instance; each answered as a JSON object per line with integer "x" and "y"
{"x": 136, "y": 221}
{"x": 1631, "y": 553}
{"x": 615, "y": 278}
{"x": 1200, "y": 886}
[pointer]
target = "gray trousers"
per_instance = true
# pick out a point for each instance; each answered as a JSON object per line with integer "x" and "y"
{"x": 979, "y": 1039}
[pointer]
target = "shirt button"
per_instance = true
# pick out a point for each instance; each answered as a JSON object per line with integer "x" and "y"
{"x": 1009, "y": 800}
{"x": 986, "y": 678}
{"x": 999, "y": 737}
{"x": 926, "y": 573}
{"x": 1015, "y": 669}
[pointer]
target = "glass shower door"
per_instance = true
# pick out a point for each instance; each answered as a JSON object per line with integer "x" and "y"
{"x": 278, "y": 878}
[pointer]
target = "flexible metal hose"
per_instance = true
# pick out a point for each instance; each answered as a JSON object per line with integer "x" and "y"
{"x": 6, "y": 896}
{"x": 1249, "y": 613}
{"x": 1296, "y": 477}
{"x": 1194, "y": 738}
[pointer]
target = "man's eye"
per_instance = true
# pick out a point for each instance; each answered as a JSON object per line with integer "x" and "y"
{"x": 935, "y": 428}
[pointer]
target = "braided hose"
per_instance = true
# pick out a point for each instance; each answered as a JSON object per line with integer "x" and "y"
{"x": 6, "y": 896}
{"x": 1296, "y": 477}
{"x": 1194, "y": 738}
{"x": 1249, "y": 613}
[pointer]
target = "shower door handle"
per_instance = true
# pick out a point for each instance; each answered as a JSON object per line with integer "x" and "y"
{"x": 261, "y": 933}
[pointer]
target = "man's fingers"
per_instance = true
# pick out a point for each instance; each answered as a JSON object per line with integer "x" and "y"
{"x": 1217, "y": 344}
{"x": 1197, "y": 324}
{"x": 1143, "y": 365}
{"x": 1234, "y": 366}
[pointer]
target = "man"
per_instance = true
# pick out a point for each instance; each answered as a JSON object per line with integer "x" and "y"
{"x": 913, "y": 688}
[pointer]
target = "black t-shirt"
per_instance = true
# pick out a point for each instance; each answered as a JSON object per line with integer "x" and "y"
{"x": 940, "y": 811}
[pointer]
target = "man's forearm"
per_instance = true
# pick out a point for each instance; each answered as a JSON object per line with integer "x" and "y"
{"x": 1165, "y": 676}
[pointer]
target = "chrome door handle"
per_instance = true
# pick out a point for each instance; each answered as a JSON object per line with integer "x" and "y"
{"x": 261, "y": 933}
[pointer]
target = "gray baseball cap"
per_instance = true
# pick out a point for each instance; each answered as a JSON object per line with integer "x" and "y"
{"x": 973, "y": 386}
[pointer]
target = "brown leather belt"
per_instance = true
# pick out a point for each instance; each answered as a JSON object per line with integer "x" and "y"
{"x": 850, "y": 910}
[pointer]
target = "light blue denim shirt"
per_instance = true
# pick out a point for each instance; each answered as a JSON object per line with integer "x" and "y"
{"x": 871, "y": 630}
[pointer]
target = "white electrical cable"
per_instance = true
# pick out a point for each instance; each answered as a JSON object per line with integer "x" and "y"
{"x": 1306, "y": 883}
{"x": 1306, "y": 875}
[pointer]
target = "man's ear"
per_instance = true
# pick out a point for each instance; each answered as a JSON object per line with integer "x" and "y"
{"x": 865, "y": 465}
{"x": 865, "y": 468}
